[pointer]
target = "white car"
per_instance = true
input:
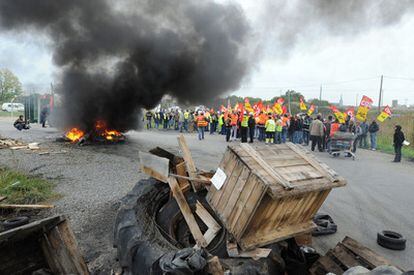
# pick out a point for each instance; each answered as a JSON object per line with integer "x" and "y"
{"x": 12, "y": 107}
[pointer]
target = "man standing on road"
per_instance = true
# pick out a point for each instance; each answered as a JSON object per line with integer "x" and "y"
{"x": 398, "y": 143}
{"x": 252, "y": 126}
{"x": 363, "y": 143}
{"x": 244, "y": 125}
{"x": 201, "y": 125}
{"x": 270, "y": 128}
{"x": 316, "y": 133}
{"x": 234, "y": 119}
{"x": 373, "y": 129}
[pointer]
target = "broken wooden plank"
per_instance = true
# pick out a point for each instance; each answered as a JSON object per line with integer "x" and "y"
{"x": 255, "y": 254}
{"x": 182, "y": 171}
{"x": 69, "y": 239}
{"x": 365, "y": 253}
{"x": 200, "y": 180}
{"x": 18, "y": 147}
{"x": 186, "y": 211}
{"x": 26, "y": 206}
{"x": 248, "y": 149}
{"x": 154, "y": 166}
{"x": 191, "y": 168}
{"x": 212, "y": 225}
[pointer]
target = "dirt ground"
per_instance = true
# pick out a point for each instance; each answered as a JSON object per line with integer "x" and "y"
{"x": 92, "y": 179}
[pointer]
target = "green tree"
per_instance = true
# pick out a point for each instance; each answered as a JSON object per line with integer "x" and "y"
{"x": 10, "y": 85}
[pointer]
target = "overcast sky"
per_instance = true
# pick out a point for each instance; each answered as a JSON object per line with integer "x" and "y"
{"x": 350, "y": 65}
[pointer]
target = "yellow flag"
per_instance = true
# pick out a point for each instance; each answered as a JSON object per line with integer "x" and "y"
{"x": 302, "y": 105}
{"x": 384, "y": 114}
{"x": 340, "y": 116}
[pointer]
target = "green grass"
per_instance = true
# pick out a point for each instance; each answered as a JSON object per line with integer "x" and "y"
{"x": 386, "y": 133}
{"x": 7, "y": 114}
{"x": 22, "y": 189}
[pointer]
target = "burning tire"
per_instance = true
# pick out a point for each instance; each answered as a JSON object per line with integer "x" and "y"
{"x": 149, "y": 225}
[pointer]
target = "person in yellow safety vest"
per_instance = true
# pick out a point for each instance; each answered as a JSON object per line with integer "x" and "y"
{"x": 186, "y": 119}
{"x": 279, "y": 129}
{"x": 270, "y": 128}
{"x": 244, "y": 125}
{"x": 221, "y": 124}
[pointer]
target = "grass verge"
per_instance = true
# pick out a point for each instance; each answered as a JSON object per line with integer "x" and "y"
{"x": 22, "y": 189}
{"x": 7, "y": 114}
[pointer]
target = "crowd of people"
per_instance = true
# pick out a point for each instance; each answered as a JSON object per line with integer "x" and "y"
{"x": 270, "y": 128}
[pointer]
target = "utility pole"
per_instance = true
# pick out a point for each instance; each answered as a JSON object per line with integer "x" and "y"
{"x": 356, "y": 100}
{"x": 289, "y": 101}
{"x": 380, "y": 95}
{"x": 320, "y": 93}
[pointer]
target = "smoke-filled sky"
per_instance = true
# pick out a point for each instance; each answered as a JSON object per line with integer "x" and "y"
{"x": 343, "y": 45}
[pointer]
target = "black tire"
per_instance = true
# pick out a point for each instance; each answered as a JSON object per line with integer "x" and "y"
{"x": 391, "y": 240}
{"x": 15, "y": 222}
{"x": 173, "y": 226}
{"x": 140, "y": 244}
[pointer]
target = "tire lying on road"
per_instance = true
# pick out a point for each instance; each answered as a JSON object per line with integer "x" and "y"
{"x": 391, "y": 240}
{"x": 140, "y": 243}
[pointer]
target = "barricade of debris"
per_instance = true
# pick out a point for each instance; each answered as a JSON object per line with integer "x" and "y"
{"x": 255, "y": 212}
{"x": 46, "y": 246}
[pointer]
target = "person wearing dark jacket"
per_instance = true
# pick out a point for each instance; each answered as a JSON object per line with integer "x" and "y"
{"x": 373, "y": 129}
{"x": 398, "y": 143}
{"x": 252, "y": 125}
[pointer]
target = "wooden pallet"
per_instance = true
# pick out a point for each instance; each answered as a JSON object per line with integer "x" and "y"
{"x": 347, "y": 254}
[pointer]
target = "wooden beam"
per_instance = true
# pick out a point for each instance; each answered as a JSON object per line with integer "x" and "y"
{"x": 186, "y": 211}
{"x": 181, "y": 170}
{"x": 26, "y": 206}
{"x": 248, "y": 149}
{"x": 154, "y": 166}
{"x": 2, "y": 198}
{"x": 154, "y": 174}
{"x": 191, "y": 168}
{"x": 258, "y": 239}
{"x": 255, "y": 254}
{"x": 212, "y": 225}
{"x": 200, "y": 180}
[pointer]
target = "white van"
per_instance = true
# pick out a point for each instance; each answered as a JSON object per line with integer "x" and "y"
{"x": 12, "y": 107}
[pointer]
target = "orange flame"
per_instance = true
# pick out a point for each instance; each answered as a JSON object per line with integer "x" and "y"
{"x": 111, "y": 134}
{"x": 75, "y": 134}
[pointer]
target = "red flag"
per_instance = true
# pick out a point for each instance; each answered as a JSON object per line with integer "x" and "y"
{"x": 280, "y": 100}
{"x": 223, "y": 109}
{"x": 350, "y": 112}
{"x": 284, "y": 108}
{"x": 333, "y": 109}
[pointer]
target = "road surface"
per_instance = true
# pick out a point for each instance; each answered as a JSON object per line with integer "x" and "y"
{"x": 92, "y": 179}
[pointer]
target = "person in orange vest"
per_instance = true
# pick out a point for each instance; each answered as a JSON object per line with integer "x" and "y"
{"x": 201, "y": 125}
{"x": 261, "y": 125}
{"x": 234, "y": 119}
{"x": 285, "y": 126}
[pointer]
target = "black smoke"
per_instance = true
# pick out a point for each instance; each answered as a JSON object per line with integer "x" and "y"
{"x": 287, "y": 22}
{"x": 116, "y": 57}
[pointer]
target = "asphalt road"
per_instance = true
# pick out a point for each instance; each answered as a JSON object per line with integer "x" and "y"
{"x": 92, "y": 179}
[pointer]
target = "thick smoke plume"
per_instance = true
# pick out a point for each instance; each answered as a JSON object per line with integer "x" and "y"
{"x": 286, "y": 22}
{"x": 116, "y": 57}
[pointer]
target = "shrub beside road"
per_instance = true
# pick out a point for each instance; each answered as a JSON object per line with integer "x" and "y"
{"x": 22, "y": 189}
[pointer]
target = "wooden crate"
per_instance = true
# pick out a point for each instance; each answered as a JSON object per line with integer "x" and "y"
{"x": 271, "y": 192}
{"x": 47, "y": 244}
